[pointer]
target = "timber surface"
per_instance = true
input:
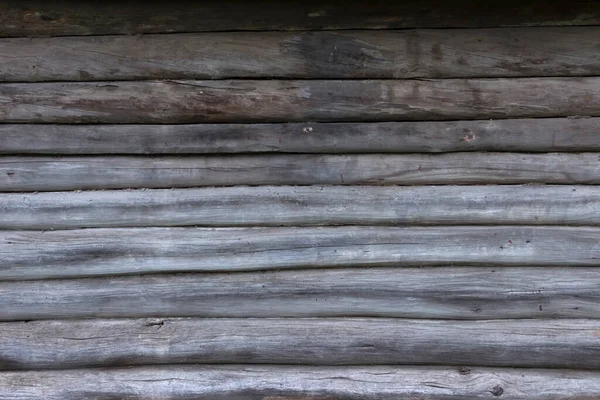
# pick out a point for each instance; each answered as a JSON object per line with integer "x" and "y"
{"x": 42, "y": 18}
{"x": 304, "y": 206}
{"x": 193, "y": 101}
{"x": 436, "y": 53}
{"x": 509, "y": 135}
{"x": 226, "y": 382}
{"x": 93, "y": 252}
{"x": 400, "y": 198}
{"x": 321, "y": 341}
{"x": 424, "y": 293}
{"x": 20, "y": 174}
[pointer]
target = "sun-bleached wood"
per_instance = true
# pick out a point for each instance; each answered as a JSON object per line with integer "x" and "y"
{"x": 43, "y": 18}
{"x": 19, "y": 174}
{"x": 304, "y": 206}
{"x": 427, "y": 292}
{"x": 114, "y": 251}
{"x": 193, "y": 101}
{"x": 518, "y": 135}
{"x": 260, "y": 382}
{"x": 60, "y": 344}
{"x": 518, "y": 52}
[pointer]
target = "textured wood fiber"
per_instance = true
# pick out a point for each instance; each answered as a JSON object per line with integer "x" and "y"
{"x": 427, "y": 292}
{"x": 93, "y": 252}
{"x": 236, "y": 382}
{"x": 519, "y": 135}
{"x": 191, "y": 101}
{"x": 304, "y": 206}
{"x": 342, "y": 341}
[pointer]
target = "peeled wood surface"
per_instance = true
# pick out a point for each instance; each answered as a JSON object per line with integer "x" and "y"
{"x": 188, "y": 101}
{"x": 304, "y": 206}
{"x": 121, "y": 172}
{"x": 227, "y": 382}
{"x": 89, "y": 252}
{"x": 565, "y": 51}
{"x": 38, "y": 17}
{"x": 520, "y": 135}
{"x": 321, "y": 341}
{"x": 428, "y": 292}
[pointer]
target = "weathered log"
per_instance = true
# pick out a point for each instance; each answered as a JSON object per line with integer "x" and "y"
{"x": 321, "y": 341}
{"x": 304, "y": 206}
{"x": 517, "y": 52}
{"x": 428, "y": 292}
{"x": 121, "y": 172}
{"x": 188, "y": 101}
{"x": 520, "y": 135}
{"x": 38, "y": 17}
{"x": 225, "y": 382}
{"x": 92, "y": 252}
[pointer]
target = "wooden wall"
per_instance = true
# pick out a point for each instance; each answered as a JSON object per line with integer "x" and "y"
{"x": 300, "y": 200}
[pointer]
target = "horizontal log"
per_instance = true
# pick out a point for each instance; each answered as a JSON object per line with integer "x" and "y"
{"x": 114, "y": 251}
{"x": 428, "y": 292}
{"x": 189, "y": 101}
{"x": 120, "y": 342}
{"x": 304, "y": 206}
{"x": 38, "y": 17}
{"x": 121, "y": 172}
{"x": 300, "y": 382}
{"x": 485, "y": 53}
{"x": 519, "y": 135}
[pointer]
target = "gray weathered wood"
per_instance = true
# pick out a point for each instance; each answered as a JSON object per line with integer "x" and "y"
{"x": 260, "y": 382}
{"x": 39, "y": 17}
{"x": 428, "y": 292}
{"x": 121, "y": 172}
{"x": 322, "y": 341}
{"x": 343, "y": 54}
{"x": 304, "y": 206}
{"x": 91, "y": 252}
{"x": 522, "y": 135}
{"x": 189, "y": 101}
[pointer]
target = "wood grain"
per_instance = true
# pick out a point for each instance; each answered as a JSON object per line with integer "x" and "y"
{"x": 191, "y": 101}
{"x": 238, "y": 382}
{"x": 429, "y": 292}
{"x": 121, "y": 172}
{"x": 304, "y": 206}
{"x": 518, "y": 52}
{"x": 92, "y": 252}
{"x": 38, "y": 17}
{"x": 321, "y": 341}
{"x": 519, "y": 135}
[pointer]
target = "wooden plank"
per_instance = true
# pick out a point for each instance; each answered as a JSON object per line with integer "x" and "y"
{"x": 428, "y": 292}
{"x": 38, "y": 17}
{"x": 516, "y": 52}
{"x": 320, "y": 341}
{"x": 114, "y": 251}
{"x": 188, "y": 101}
{"x": 304, "y": 206}
{"x": 121, "y": 172}
{"x": 222, "y": 382}
{"x": 518, "y": 135}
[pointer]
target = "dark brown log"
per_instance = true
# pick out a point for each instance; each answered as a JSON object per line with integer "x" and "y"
{"x": 299, "y": 101}
{"x": 484, "y": 53}
{"x": 38, "y": 17}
